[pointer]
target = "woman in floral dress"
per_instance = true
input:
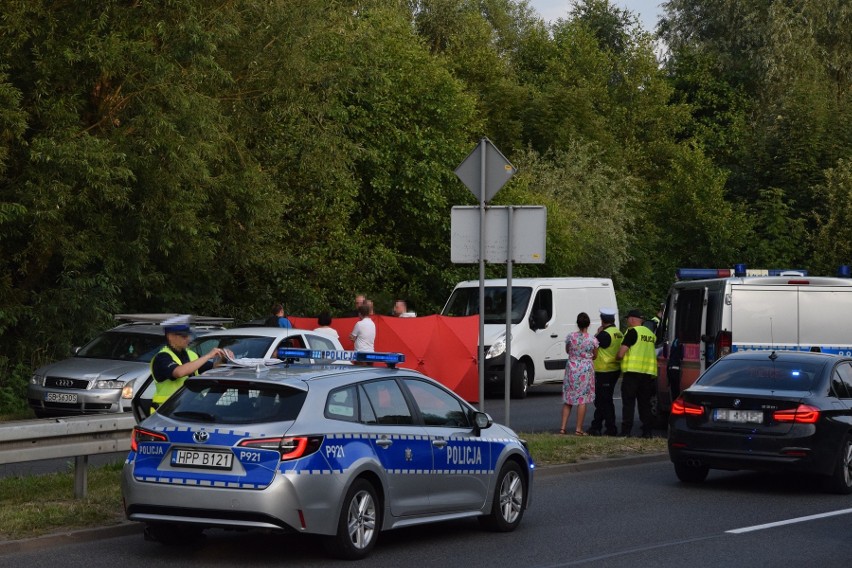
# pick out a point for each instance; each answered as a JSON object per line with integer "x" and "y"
{"x": 578, "y": 384}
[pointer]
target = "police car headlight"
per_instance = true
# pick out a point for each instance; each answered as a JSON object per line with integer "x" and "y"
{"x": 37, "y": 380}
{"x": 109, "y": 384}
{"x": 497, "y": 349}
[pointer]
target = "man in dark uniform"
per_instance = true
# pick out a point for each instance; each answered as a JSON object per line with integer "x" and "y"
{"x": 638, "y": 356}
{"x": 607, "y": 371}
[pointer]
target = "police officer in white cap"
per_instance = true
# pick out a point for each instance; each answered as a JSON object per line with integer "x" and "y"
{"x": 607, "y": 371}
{"x": 176, "y": 361}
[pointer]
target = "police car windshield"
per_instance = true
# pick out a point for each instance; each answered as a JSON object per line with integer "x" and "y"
{"x": 123, "y": 346}
{"x": 232, "y": 402}
{"x": 465, "y": 302}
{"x": 756, "y": 374}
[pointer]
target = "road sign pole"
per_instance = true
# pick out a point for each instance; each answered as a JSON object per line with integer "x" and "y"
{"x": 481, "y": 353}
{"x": 508, "y": 356}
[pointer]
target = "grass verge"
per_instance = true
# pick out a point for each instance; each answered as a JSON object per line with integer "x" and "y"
{"x": 35, "y": 505}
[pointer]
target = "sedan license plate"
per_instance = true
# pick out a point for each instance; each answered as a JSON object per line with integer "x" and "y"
{"x": 738, "y": 416}
{"x": 67, "y": 397}
{"x": 203, "y": 458}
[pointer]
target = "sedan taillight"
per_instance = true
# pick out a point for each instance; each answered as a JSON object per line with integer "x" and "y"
{"x": 681, "y": 407}
{"x": 803, "y": 414}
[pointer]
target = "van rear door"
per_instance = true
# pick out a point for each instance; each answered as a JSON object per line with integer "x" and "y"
{"x": 764, "y": 317}
{"x": 690, "y": 318}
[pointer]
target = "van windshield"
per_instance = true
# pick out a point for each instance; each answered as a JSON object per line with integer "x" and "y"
{"x": 465, "y": 302}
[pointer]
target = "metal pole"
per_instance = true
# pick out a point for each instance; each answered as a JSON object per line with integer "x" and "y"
{"x": 508, "y": 380}
{"x": 482, "y": 151}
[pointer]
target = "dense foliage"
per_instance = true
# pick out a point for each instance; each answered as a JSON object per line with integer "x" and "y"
{"x": 214, "y": 157}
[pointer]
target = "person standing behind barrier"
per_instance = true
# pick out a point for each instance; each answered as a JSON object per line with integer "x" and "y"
{"x": 324, "y": 323}
{"x": 578, "y": 384}
{"x": 638, "y": 358}
{"x": 364, "y": 332}
{"x": 278, "y": 319}
{"x": 607, "y": 370}
{"x": 175, "y": 361}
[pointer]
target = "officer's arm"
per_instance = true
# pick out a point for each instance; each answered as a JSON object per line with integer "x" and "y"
{"x": 622, "y": 351}
{"x": 188, "y": 368}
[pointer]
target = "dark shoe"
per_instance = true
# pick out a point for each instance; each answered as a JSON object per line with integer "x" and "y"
{"x": 624, "y": 434}
{"x": 593, "y": 432}
{"x": 647, "y": 435}
{"x": 612, "y": 432}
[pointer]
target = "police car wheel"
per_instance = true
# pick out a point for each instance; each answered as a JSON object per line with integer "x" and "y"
{"x": 510, "y": 496}
{"x": 359, "y": 523}
{"x": 840, "y": 481}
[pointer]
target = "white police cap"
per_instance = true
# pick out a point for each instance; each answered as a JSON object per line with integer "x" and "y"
{"x": 176, "y": 324}
{"x": 607, "y": 312}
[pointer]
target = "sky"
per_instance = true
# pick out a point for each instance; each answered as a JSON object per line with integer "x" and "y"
{"x": 648, "y": 10}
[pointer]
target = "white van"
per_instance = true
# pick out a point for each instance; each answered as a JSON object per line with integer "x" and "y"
{"x": 544, "y": 311}
{"x": 709, "y": 313}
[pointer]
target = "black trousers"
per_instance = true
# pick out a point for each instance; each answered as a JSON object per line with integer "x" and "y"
{"x": 604, "y": 406}
{"x": 637, "y": 389}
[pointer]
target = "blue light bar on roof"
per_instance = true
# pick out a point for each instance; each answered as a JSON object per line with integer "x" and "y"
{"x": 390, "y": 359}
{"x": 701, "y": 273}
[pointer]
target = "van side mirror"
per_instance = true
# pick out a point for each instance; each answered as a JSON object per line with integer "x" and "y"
{"x": 538, "y": 319}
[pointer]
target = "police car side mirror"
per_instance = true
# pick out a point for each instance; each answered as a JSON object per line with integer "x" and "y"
{"x": 481, "y": 421}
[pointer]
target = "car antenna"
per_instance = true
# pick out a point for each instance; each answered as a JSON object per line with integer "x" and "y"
{"x": 772, "y": 356}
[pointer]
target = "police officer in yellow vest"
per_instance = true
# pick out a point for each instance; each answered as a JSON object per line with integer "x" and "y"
{"x": 607, "y": 371}
{"x": 638, "y": 358}
{"x": 175, "y": 361}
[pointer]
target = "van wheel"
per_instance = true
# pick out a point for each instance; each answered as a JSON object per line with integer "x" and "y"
{"x": 520, "y": 380}
{"x": 660, "y": 419}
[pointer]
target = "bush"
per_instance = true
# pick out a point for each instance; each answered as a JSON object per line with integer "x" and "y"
{"x": 13, "y": 390}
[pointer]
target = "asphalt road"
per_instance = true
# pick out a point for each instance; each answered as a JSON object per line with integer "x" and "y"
{"x": 629, "y": 516}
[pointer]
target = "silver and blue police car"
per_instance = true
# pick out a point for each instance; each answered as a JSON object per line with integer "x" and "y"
{"x": 341, "y": 451}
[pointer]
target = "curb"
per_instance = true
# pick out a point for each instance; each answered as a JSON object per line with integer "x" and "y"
{"x": 71, "y": 537}
{"x": 553, "y": 470}
{"x": 128, "y": 528}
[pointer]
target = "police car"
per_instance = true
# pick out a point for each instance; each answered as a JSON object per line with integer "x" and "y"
{"x": 341, "y": 451}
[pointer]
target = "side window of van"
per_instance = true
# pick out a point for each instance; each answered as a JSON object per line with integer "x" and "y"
{"x": 543, "y": 302}
{"x": 841, "y": 380}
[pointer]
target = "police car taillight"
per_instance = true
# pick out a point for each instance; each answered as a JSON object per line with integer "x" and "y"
{"x": 290, "y": 448}
{"x": 143, "y": 435}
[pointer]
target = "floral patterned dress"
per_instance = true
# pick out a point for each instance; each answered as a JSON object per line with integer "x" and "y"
{"x": 578, "y": 384}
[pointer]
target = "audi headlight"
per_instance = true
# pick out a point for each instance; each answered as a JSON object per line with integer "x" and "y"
{"x": 127, "y": 391}
{"x": 497, "y": 349}
{"x": 109, "y": 384}
{"x": 37, "y": 380}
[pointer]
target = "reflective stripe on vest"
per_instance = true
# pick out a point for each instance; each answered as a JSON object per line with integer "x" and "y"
{"x": 165, "y": 389}
{"x": 606, "y": 361}
{"x": 642, "y": 355}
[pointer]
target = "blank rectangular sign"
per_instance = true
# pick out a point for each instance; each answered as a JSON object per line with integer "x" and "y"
{"x": 529, "y": 231}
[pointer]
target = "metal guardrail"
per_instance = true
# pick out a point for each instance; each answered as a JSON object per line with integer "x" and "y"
{"x": 77, "y": 436}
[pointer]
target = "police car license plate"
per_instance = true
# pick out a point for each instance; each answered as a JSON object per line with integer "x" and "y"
{"x": 738, "y": 416}
{"x": 203, "y": 459}
{"x": 70, "y": 398}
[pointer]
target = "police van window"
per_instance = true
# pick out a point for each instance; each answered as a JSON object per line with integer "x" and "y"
{"x": 843, "y": 374}
{"x": 388, "y": 403}
{"x": 437, "y": 407}
{"x": 342, "y": 404}
{"x": 690, "y": 306}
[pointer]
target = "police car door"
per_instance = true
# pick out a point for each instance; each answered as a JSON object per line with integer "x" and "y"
{"x": 400, "y": 444}
{"x": 462, "y": 461}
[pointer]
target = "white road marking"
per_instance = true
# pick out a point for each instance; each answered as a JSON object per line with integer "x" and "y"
{"x": 790, "y": 521}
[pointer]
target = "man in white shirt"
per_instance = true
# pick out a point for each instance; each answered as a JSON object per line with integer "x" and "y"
{"x": 364, "y": 332}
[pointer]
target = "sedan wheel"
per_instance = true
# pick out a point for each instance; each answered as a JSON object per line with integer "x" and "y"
{"x": 509, "y": 500}
{"x": 841, "y": 480}
{"x": 358, "y": 527}
{"x": 691, "y": 473}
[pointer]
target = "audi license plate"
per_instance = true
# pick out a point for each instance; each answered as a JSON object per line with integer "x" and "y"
{"x": 70, "y": 398}
{"x": 203, "y": 458}
{"x": 738, "y": 416}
